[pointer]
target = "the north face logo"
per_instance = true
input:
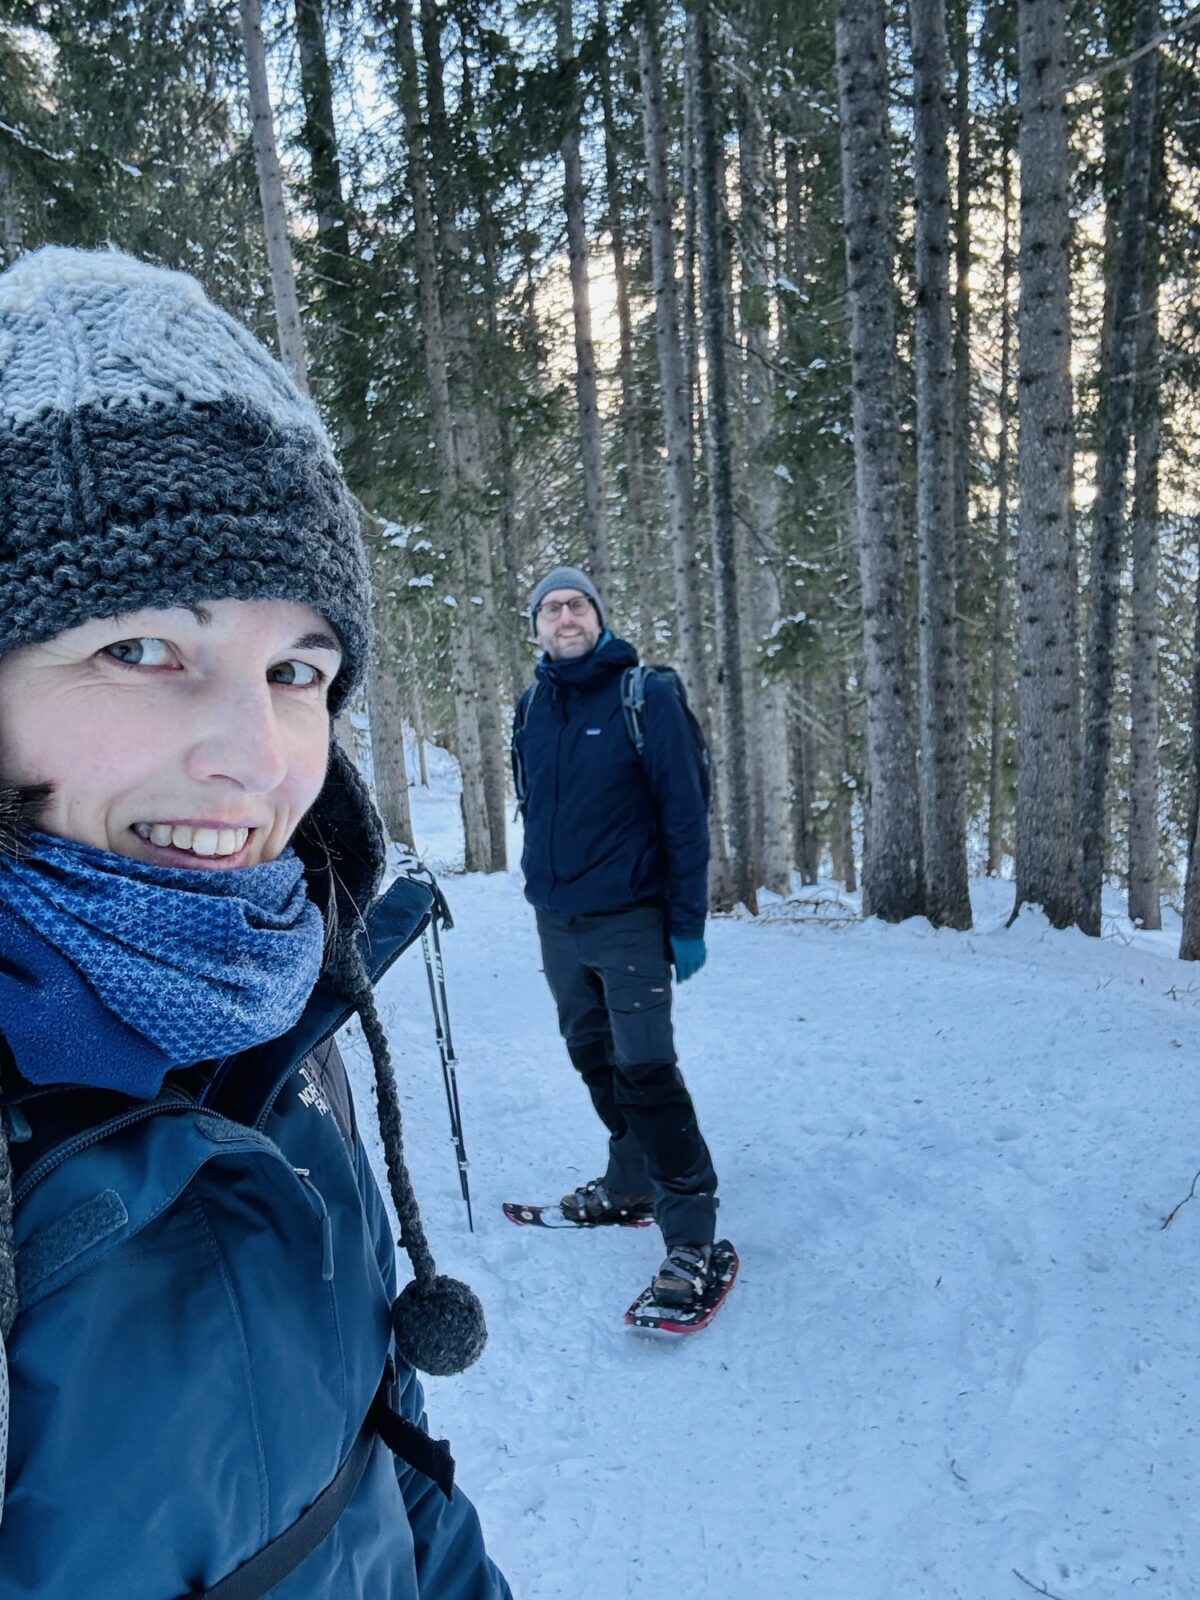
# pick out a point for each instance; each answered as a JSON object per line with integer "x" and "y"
{"x": 311, "y": 1094}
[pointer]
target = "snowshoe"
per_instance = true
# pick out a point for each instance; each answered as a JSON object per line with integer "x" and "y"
{"x": 649, "y": 1312}
{"x": 593, "y": 1205}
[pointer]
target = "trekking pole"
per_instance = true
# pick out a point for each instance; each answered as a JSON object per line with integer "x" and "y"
{"x": 435, "y": 971}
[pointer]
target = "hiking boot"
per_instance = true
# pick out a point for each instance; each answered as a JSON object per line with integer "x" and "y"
{"x": 592, "y": 1203}
{"x": 684, "y": 1276}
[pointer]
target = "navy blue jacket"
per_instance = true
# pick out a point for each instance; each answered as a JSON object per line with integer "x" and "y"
{"x": 205, "y": 1288}
{"x": 606, "y": 829}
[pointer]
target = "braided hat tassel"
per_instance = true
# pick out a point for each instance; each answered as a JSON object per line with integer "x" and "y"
{"x": 438, "y": 1321}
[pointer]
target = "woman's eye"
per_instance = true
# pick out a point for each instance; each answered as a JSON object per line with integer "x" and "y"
{"x": 298, "y": 674}
{"x": 139, "y": 652}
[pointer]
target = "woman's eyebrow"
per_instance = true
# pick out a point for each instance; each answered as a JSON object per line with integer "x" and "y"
{"x": 317, "y": 641}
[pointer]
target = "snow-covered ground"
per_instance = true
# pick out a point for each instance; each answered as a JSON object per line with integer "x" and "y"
{"x": 961, "y": 1357}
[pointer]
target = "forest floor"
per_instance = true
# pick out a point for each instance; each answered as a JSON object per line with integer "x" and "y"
{"x": 961, "y": 1356}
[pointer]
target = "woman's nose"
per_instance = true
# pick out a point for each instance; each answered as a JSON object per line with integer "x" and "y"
{"x": 241, "y": 741}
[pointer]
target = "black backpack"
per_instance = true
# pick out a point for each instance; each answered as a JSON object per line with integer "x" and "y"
{"x": 633, "y": 706}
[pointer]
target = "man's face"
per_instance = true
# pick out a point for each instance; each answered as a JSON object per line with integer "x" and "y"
{"x": 567, "y": 625}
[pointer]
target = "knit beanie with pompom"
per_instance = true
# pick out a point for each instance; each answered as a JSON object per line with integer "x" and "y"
{"x": 153, "y": 453}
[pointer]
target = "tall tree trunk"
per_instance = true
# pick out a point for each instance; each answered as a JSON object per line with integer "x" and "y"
{"x": 892, "y": 879}
{"x": 1111, "y": 472}
{"x": 1047, "y": 700}
{"x": 673, "y": 377}
{"x": 943, "y": 800}
{"x": 11, "y": 240}
{"x": 1144, "y": 905}
{"x": 270, "y": 189}
{"x": 318, "y": 134}
{"x": 590, "y": 446}
{"x": 476, "y": 830}
{"x": 416, "y": 699}
{"x": 961, "y": 52}
{"x": 634, "y": 425}
{"x": 999, "y": 690}
{"x": 768, "y": 695}
{"x": 385, "y": 708}
{"x": 1189, "y": 942}
{"x": 841, "y": 839}
{"x": 720, "y": 461}
{"x": 689, "y": 255}
{"x": 806, "y": 841}
{"x": 473, "y": 500}
{"x": 335, "y": 267}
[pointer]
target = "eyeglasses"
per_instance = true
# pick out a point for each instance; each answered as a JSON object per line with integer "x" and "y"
{"x": 577, "y": 605}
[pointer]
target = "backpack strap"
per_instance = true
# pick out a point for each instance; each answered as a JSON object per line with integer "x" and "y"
{"x": 266, "y": 1569}
{"x": 520, "y": 718}
{"x": 633, "y": 704}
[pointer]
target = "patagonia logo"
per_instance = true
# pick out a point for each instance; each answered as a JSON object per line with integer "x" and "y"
{"x": 592, "y": 732}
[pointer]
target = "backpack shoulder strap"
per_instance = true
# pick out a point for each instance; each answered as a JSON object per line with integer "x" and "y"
{"x": 633, "y": 704}
{"x": 520, "y": 718}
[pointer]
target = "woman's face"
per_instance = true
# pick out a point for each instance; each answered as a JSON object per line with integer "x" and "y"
{"x": 191, "y": 737}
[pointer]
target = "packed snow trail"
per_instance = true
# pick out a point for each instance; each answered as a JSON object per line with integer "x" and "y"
{"x": 961, "y": 1346}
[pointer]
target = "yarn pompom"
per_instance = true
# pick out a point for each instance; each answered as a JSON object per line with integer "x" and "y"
{"x": 440, "y": 1328}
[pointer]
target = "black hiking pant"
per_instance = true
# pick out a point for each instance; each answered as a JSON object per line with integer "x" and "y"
{"x": 610, "y": 976}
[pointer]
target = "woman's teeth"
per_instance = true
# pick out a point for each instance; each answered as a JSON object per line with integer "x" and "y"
{"x": 200, "y": 841}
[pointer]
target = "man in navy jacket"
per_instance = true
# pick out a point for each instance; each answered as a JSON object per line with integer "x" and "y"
{"x": 616, "y": 867}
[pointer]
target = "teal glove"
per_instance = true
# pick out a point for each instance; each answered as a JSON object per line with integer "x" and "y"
{"x": 688, "y": 956}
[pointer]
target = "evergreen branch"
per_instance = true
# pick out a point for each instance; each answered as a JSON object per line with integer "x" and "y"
{"x": 27, "y": 143}
{"x": 1121, "y": 63}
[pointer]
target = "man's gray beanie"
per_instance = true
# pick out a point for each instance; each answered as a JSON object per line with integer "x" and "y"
{"x": 564, "y": 578}
{"x": 153, "y": 453}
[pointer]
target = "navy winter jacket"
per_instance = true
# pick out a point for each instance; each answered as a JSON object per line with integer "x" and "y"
{"x": 606, "y": 829}
{"x": 205, "y": 1286}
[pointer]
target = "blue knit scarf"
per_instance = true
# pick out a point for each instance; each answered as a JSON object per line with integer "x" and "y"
{"x": 192, "y": 965}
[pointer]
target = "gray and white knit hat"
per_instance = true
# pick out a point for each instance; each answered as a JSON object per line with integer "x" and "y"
{"x": 153, "y": 453}
{"x": 563, "y": 578}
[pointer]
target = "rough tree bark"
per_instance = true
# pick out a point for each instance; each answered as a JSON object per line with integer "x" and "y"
{"x": 641, "y": 541}
{"x": 1000, "y": 673}
{"x": 11, "y": 241}
{"x": 318, "y": 134}
{"x": 841, "y": 837}
{"x": 385, "y": 708}
{"x": 892, "y": 880}
{"x": 673, "y": 376}
{"x": 1189, "y": 942}
{"x": 1144, "y": 904}
{"x": 473, "y": 501}
{"x": 943, "y": 801}
{"x": 334, "y": 266}
{"x": 720, "y": 459}
{"x": 768, "y": 694}
{"x": 416, "y": 699}
{"x": 477, "y": 837}
{"x": 1111, "y": 472}
{"x": 1047, "y": 693}
{"x": 590, "y": 447}
{"x": 961, "y": 56}
{"x": 270, "y": 189}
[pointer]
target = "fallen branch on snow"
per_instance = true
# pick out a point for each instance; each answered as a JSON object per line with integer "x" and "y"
{"x": 1038, "y": 1588}
{"x": 1190, "y": 1195}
